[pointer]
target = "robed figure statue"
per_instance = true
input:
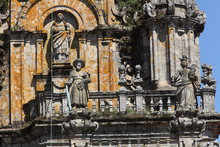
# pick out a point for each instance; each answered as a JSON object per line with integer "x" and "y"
{"x": 61, "y": 39}
{"x": 186, "y": 82}
{"x": 78, "y": 85}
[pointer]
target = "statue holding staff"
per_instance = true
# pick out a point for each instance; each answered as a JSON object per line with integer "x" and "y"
{"x": 78, "y": 85}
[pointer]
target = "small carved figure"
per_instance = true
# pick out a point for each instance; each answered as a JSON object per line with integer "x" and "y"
{"x": 207, "y": 78}
{"x": 186, "y": 82}
{"x": 61, "y": 39}
{"x": 78, "y": 85}
{"x": 171, "y": 7}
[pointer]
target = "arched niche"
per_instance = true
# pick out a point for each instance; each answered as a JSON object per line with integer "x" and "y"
{"x": 71, "y": 20}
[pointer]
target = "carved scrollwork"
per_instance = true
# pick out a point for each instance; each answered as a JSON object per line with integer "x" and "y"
{"x": 187, "y": 122}
{"x": 80, "y": 123}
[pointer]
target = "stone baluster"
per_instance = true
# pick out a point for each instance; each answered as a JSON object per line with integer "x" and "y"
{"x": 160, "y": 104}
{"x": 129, "y": 143}
{"x": 144, "y": 103}
{"x": 100, "y": 143}
{"x": 110, "y": 105}
{"x": 139, "y": 143}
{"x": 119, "y": 143}
{"x": 201, "y": 104}
{"x": 122, "y": 101}
{"x": 102, "y": 105}
{"x": 152, "y": 104}
{"x": 169, "y": 104}
{"x": 93, "y": 105}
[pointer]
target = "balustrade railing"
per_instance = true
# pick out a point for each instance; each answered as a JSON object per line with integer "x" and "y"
{"x": 47, "y": 105}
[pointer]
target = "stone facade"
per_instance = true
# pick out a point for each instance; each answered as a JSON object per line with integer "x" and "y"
{"x": 131, "y": 52}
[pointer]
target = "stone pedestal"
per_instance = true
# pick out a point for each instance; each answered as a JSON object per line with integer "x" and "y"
{"x": 122, "y": 101}
{"x": 80, "y": 128}
{"x": 208, "y": 100}
{"x": 187, "y": 127}
{"x": 139, "y": 101}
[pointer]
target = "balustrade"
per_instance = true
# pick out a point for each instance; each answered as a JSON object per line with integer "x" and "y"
{"x": 47, "y": 105}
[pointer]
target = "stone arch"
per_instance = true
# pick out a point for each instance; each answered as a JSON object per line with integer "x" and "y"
{"x": 83, "y": 11}
{"x": 65, "y": 10}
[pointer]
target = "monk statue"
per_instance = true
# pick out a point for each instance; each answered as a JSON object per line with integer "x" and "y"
{"x": 61, "y": 40}
{"x": 186, "y": 82}
{"x": 78, "y": 85}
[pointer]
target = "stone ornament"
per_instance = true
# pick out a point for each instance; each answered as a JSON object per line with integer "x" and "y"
{"x": 171, "y": 7}
{"x": 122, "y": 80}
{"x": 138, "y": 80}
{"x": 60, "y": 33}
{"x": 149, "y": 9}
{"x": 192, "y": 11}
{"x": 78, "y": 85}
{"x": 201, "y": 17}
{"x": 186, "y": 82}
{"x": 207, "y": 78}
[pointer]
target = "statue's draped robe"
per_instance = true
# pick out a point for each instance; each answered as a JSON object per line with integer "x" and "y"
{"x": 186, "y": 89}
{"x": 60, "y": 36}
{"x": 79, "y": 88}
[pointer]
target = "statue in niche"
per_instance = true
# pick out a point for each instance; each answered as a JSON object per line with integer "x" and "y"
{"x": 186, "y": 82}
{"x": 78, "y": 85}
{"x": 61, "y": 39}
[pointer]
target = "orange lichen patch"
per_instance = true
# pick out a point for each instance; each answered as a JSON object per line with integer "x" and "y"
{"x": 89, "y": 105}
{"x": 40, "y": 85}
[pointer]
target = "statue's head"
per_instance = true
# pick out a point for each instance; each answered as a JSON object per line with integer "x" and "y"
{"x": 78, "y": 64}
{"x": 184, "y": 61}
{"x": 60, "y": 17}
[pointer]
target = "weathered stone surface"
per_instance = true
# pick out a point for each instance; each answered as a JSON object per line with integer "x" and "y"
{"x": 135, "y": 105}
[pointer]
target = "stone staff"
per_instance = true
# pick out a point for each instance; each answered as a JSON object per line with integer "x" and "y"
{"x": 68, "y": 98}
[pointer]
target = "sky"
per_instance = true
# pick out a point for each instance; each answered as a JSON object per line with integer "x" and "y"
{"x": 210, "y": 41}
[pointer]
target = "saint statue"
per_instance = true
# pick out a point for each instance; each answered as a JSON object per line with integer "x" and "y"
{"x": 61, "y": 40}
{"x": 186, "y": 82}
{"x": 78, "y": 85}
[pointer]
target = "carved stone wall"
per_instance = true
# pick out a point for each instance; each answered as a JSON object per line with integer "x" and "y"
{"x": 30, "y": 47}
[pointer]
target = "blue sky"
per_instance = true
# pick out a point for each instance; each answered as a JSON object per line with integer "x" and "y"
{"x": 210, "y": 41}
